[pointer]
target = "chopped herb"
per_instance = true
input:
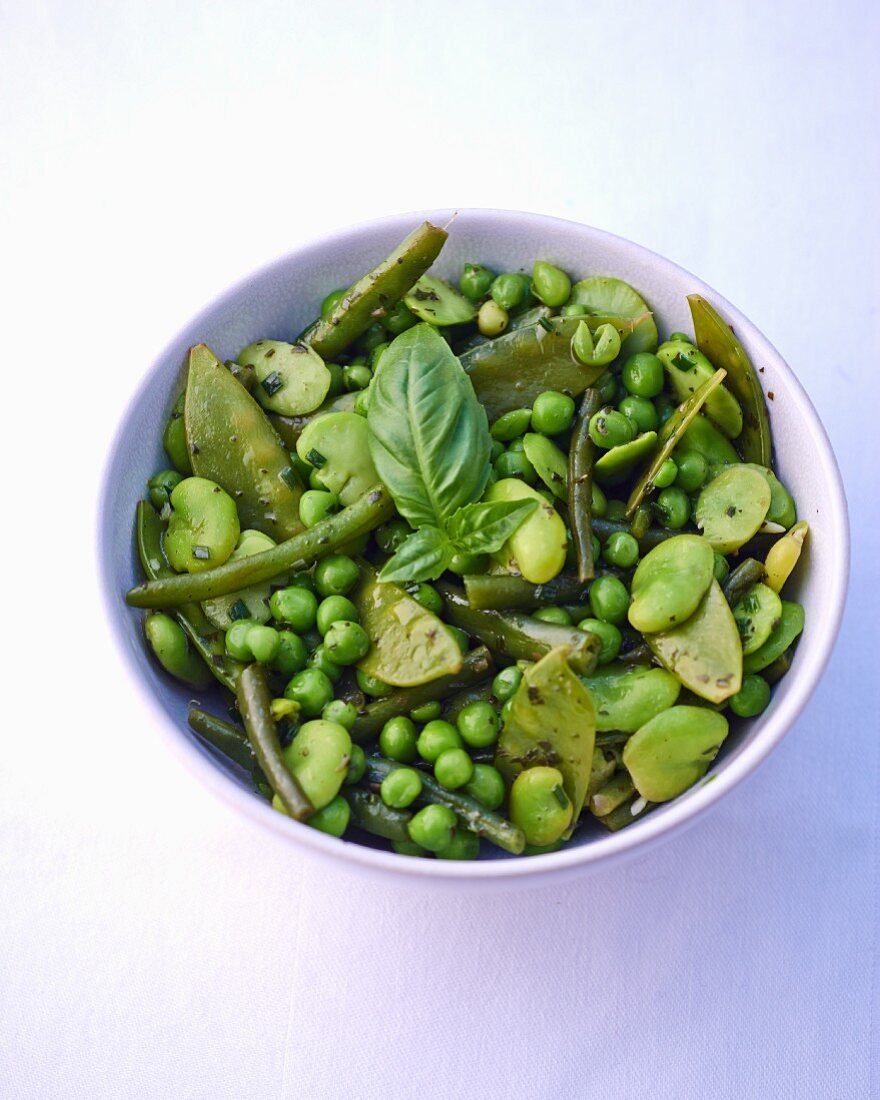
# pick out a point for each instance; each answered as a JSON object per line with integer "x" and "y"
{"x": 289, "y": 477}
{"x": 682, "y": 362}
{"x": 239, "y": 610}
{"x": 560, "y": 795}
{"x": 272, "y": 383}
{"x": 316, "y": 458}
{"x": 545, "y": 324}
{"x": 202, "y": 553}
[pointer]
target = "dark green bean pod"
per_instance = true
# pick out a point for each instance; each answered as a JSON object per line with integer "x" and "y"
{"x": 637, "y": 655}
{"x": 297, "y": 552}
{"x": 623, "y": 815}
{"x": 580, "y": 484}
{"x": 476, "y": 667}
{"x": 774, "y": 673}
{"x": 653, "y": 536}
{"x": 519, "y": 636}
{"x": 506, "y": 593}
{"x": 641, "y": 522}
{"x": 377, "y": 292}
{"x": 227, "y": 738}
{"x": 746, "y": 575}
{"x": 476, "y": 817}
{"x": 255, "y": 705}
{"x": 369, "y": 812}
{"x": 479, "y": 693}
{"x": 206, "y": 639}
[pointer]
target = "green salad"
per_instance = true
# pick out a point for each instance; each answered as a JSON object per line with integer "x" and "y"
{"x": 486, "y": 562}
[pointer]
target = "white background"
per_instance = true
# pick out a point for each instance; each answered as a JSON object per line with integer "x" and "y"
{"x": 152, "y": 944}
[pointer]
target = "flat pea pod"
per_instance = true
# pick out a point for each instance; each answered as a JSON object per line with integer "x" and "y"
{"x": 782, "y": 508}
{"x": 702, "y": 436}
{"x": 203, "y": 528}
{"x": 600, "y": 351}
{"x": 672, "y": 751}
{"x": 291, "y": 379}
{"x": 783, "y": 556}
{"x": 539, "y": 805}
{"x": 410, "y": 644}
{"x": 317, "y": 758}
{"x": 687, "y": 369}
{"x": 290, "y": 428}
{"x": 669, "y": 437}
{"x": 627, "y": 697}
{"x": 375, "y": 294}
{"x": 168, "y": 642}
{"x": 716, "y": 340}
{"x": 337, "y": 445}
{"x": 537, "y": 548}
{"x": 704, "y": 652}
{"x": 297, "y": 553}
{"x": 488, "y": 592}
{"x": 550, "y": 463}
{"x": 732, "y": 507}
{"x": 434, "y": 300}
{"x": 756, "y": 615}
{"x": 248, "y": 603}
{"x": 174, "y": 438}
{"x": 233, "y": 443}
{"x": 669, "y": 583}
{"x": 369, "y": 812}
{"x": 791, "y": 623}
{"x": 616, "y": 464}
{"x": 601, "y": 294}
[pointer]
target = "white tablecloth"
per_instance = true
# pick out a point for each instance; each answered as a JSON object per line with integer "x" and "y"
{"x": 152, "y": 944}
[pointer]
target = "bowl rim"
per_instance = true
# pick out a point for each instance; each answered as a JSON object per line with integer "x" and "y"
{"x": 535, "y": 870}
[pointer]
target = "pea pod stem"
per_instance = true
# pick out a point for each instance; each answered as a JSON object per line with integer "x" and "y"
{"x": 255, "y": 705}
{"x": 297, "y": 552}
{"x": 476, "y": 667}
{"x": 580, "y": 484}
{"x": 369, "y": 812}
{"x": 746, "y": 575}
{"x": 477, "y": 818}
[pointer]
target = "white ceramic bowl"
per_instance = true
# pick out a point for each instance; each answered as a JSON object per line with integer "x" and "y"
{"x": 277, "y": 302}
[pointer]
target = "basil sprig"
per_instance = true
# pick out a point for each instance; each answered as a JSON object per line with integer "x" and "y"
{"x": 430, "y": 444}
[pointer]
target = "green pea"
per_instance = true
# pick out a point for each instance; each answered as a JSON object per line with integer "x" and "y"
{"x": 362, "y": 401}
{"x": 509, "y": 290}
{"x": 236, "y": 639}
{"x": 317, "y": 504}
{"x": 573, "y": 309}
{"x": 312, "y": 689}
{"x": 332, "y": 609}
{"x": 609, "y": 599}
{"x": 346, "y": 642}
{"x": 752, "y": 698}
{"x": 643, "y": 375}
{"x": 465, "y": 845}
{"x": 433, "y": 827}
{"x": 427, "y": 712}
{"x": 511, "y": 425}
{"x": 436, "y": 737}
{"x": 337, "y": 379}
{"x": 506, "y": 683}
{"x": 486, "y": 786}
{"x": 357, "y": 762}
{"x": 515, "y": 464}
{"x": 539, "y": 805}
{"x": 356, "y": 376}
{"x": 640, "y": 411}
{"x": 295, "y": 605}
{"x": 321, "y": 660}
{"x": 399, "y": 318}
{"x": 453, "y": 768}
{"x": 264, "y": 642}
{"x": 666, "y": 475}
{"x": 318, "y": 757}
{"x": 692, "y": 470}
{"x": 610, "y": 428}
{"x": 345, "y": 713}
{"x": 203, "y": 528}
{"x": 462, "y": 563}
{"x": 621, "y": 550}
{"x": 316, "y": 481}
{"x": 673, "y": 508}
{"x": 333, "y": 818}
{"x": 401, "y": 788}
{"x": 609, "y": 635}
{"x": 291, "y": 655}
{"x": 680, "y": 338}
{"x": 331, "y": 302}
{"x": 398, "y": 738}
{"x": 552, "y": 413}
{"x": 598, "y": 501}
{"x": 376, "y": 356}
{"x": 372, "y": 685}
{"x": 492, "y": 320}
{"x": 161, "y": 486}
{"x": 335, "y": 575}
{"x": 478, "y": 724}
{"x": 427, "y": 596}
{"x": 597, "y": 548}
{"x": 168, "y": 641}
{"x": 374, "y": 336}
{"x": 475, "y": 281}
{"x": 303, "y": 579}
{"x": 550, "y": 284}
{"x": 665, "y": 407}
{"x": 553, "y": 615}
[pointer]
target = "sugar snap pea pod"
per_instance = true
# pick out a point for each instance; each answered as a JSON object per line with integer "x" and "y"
{"x": 231, "y": 442}
{"x": 369, "y": 812}
{"x": 716, "y": 341}
{"x": 168, "y": 641}
{"x": 687, "y": 369}
{"x": 520, "y": 636}
{"x": 290, "y": 428}
{"x": 791, "y": 623}
{"x": 747, "y": 574}
{"x": 298, "y": 552}
{"x": 255, "y": 705}
{"x": 174, "y": 438}
{"x": 227, "y": 738}
{"x": 207, "y": 641}
{"x": 506, "y": 593}
{"x": 476, "y": 667}
{"x": 669, "y": 436}
{"x": 474, "y": 816}
{"x": 614, "y": 793}
{"x": 581, "y": 454}
{"x": 510, "y": 371}
{"x": 375, "y": 293}
{"x": 626, "y": 813}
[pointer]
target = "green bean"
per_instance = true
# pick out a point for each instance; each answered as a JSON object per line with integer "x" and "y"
{"x": 255, "y": 705}
{"x": 369, "y": 812}
{"x": 476, "y": 667}
{"x": 774, "y": 672}
{"x": 623, "y": 815}
{"x": 613, "y": 794}
{"x": 206, "y": 639}
{"x": 479, "y": 693}
{"x": 641, "y": 521}
{"x": 227, "y": 738}
{"x": 747, "y": 574}
{"x": 477, "y": 818}
{"x": 637, "y": 655}
{"x": 653, "y": 536}
{"x": 375, "y": 294}
{"x": 519, "y": 636}
{"x": 580, "y": 484}
{"x": 297, "y": 552}
{"x": 505, "y": 593}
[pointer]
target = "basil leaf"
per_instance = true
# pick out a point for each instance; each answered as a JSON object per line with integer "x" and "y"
{"x": 423, "y": 557}
{"x": 484, "y": 528}
{"x": 429, "y": 436}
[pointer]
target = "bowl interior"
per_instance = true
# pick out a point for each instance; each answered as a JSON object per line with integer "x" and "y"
{"x": 279, "y": 300}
